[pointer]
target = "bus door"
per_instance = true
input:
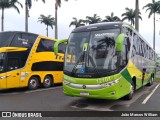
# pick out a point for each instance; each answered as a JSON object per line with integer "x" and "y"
{"x": 2, "y": 70}
{"x": 13, "y": 72}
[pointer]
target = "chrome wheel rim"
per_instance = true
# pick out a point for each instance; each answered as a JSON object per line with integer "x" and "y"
{"x": 33, "y": 82}
{"x": 47, "y": 82}
{"x": 151, "y": 81}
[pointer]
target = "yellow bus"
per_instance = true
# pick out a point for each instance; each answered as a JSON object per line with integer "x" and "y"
{"x": 28, "y": 60}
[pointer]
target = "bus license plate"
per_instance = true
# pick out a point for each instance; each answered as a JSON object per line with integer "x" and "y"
{"x": 84, "y": 93}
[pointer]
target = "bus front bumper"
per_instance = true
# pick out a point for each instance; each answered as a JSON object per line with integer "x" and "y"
{"x": 111, "y": 93}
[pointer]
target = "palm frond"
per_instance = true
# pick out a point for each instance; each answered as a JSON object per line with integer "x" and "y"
{"x": 47, "y": 20}
{"x": 76, "y": 22}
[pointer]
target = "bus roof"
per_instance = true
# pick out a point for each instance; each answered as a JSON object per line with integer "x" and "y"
{"x": 98, "y": 26}
{"x": 14, "y": 32}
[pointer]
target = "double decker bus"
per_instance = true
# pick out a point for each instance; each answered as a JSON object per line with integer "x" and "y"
{"x": 107, "y": 61}
{"x": 28, "y": 60}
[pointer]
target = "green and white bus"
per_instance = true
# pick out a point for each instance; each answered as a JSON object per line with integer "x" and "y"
{"x": 107, "y": 61}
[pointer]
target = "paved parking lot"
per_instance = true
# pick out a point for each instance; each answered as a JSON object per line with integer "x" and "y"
{"x": 53, "y": 100}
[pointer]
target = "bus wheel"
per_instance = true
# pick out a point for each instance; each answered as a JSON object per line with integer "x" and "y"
{"x": 151, "y": 81}
{"x": 130, "y": 95}
{"x": 47, "y": 82}
{"x": 33, "y": 83}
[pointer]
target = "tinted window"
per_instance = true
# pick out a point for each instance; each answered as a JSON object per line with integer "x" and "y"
{"x": 23, "y": 40}
{"x": 45, "y": 45}
{"x": 13, "y": 64}
{"x": 49, "y": 66}
{"x": 125, "y": 51}
{"x": 5, "y": 38}
{"x": 2, "y": 62}
{"x": 16, "y": 60}
{"x": 135, "y": 44}
{"x": 124, "y": 55}
{"x": 139, "y": 46}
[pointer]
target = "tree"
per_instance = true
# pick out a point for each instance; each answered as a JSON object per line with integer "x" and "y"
{"x": 28, "y": 5}
{"x": 153, "y": 8}
{"x": 94, "y": 19}
{"x": 136, "y": 15}
{"x": 77, "y": 22}
{"x": 130, "y": 15}
{"x": 6, "y": 4}
{"x": 111, "y": 18}
{"x": 47, "y": 20}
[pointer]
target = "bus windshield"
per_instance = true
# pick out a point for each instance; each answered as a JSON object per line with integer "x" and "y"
{"x": 90, "y": 52}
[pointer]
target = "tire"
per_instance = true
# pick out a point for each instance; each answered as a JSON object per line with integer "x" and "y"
{"x": 33, "y": 83}
{"x": 151, "y": 81}
{"x": 132, "y": 89}
{"x": 47, "y": 82}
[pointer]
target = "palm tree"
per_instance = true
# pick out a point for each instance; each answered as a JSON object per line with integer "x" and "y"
{"x": 153, "y": 8}
{"x": 94, "y": 19}
{"x": 47, "y": 20}
{"x": 28, "y": 5}
{"x": 6, "y": 4}
{"x": 111, "y": 18}
{"x": 136, "y": 15}
{"x": 130, "y": 15}
{"x": 77, "y": 22}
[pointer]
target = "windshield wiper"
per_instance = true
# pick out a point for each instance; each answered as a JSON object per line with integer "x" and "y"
{"x": 80, "y": 57}
{"x": 94, "y": 65}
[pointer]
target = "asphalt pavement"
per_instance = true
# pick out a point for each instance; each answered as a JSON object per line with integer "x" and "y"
{"x": 53, "y": 99}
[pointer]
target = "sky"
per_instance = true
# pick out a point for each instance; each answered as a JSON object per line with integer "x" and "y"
{"x": 79, "y": 9}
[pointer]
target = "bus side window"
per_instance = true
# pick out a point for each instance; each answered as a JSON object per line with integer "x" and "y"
{"x": 13, "y": 64}
{"x": 23, "y": 40}
{"x": 125, "y": 51}
{"x": 45, "y": 46}
{"x": 123, "y": 56}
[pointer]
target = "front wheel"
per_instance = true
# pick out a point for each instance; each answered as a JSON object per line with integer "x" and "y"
{"x": 151, "y": 81}
{"x": 33, "y": 83}
{"x": 130, "y": 95}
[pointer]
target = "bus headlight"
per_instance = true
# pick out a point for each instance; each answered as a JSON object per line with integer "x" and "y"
{"x": 111, "y": 83}
{"x": 66, "y": 82}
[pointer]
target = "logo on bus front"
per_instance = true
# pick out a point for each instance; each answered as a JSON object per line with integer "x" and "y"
{"x": 84, "y": 86}
{"x": 82, "y": 70}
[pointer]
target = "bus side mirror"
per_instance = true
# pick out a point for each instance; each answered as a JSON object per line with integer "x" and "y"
{"x": 56, "y": 45}
{"x": 119, "y": 42}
